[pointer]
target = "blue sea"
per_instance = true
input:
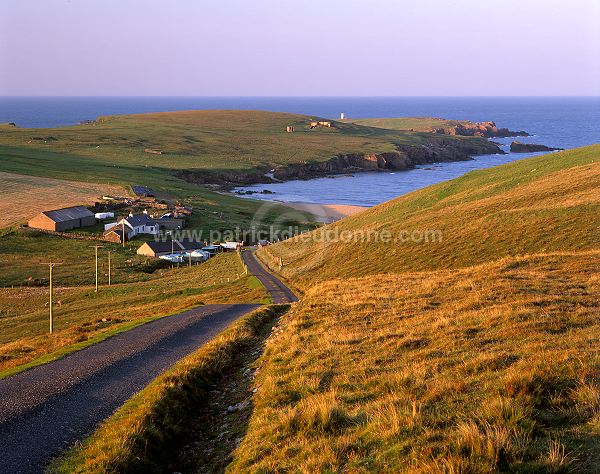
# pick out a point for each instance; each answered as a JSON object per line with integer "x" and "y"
{"x": 557, "y": 121}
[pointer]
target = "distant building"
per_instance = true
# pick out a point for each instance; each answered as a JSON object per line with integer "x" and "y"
{"x": 142, "y": 191}
{"x": 289, "y": 129}
{"x": 67, "y": 218}
{"x": 342, "y": 116}
{"x": 157, "y": 249}
{"x": 322, "y": 123}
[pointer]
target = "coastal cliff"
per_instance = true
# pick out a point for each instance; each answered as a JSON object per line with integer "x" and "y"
{"x": 405, "y": 157}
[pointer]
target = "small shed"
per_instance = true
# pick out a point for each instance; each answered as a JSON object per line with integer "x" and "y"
{"x": 67, "y": 218}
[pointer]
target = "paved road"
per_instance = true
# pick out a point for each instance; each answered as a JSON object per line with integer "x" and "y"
{"x": 279, "y": 292}
{"x": 48, "y": 408}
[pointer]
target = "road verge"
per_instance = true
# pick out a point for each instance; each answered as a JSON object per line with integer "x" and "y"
{"x": 142, "y": 433}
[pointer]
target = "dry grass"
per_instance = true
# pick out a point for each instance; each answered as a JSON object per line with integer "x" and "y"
{"x": 25, "y": 196}
{"x": 488, "y": 368}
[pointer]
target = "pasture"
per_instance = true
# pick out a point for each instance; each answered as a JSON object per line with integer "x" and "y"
{"x": 24, "y": 196}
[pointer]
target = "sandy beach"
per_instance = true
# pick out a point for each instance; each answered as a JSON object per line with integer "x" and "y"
{"x": 326, "y": 213}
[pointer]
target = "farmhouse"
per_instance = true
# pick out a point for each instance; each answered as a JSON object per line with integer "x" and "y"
{"x": 67, "y": 218}
{"x": 156, "y": 249}
{"x": 134, "y": 225}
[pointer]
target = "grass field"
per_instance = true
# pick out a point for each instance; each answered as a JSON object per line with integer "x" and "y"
{"x": 22, "y": 195}
{"x": 81, "y": 314}
{"x": 486, "y": 369}
{"x": 424, "y": 124}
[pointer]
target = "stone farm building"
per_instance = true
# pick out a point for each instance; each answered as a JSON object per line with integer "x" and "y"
{"x": 67, "y": 218}
{"x": 156, "y": 249}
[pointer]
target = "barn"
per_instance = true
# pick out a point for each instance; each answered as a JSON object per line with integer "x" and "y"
{"x": 59, "y": 220}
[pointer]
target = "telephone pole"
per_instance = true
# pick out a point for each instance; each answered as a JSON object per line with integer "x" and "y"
{"x": 51, "y": 268}
{"x": 109, "y": 268}
{"x": 96, "y": 247}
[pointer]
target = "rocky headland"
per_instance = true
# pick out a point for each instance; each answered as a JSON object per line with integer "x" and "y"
{"x": 405, "y": 157}
{"x": 477, "y": 129}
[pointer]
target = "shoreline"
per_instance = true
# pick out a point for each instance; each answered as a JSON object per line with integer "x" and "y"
{"x": 325, "y": 213}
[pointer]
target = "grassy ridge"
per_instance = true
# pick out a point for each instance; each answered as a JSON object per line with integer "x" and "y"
{"x": 483, "y": 369}
{"x": 542, "y": 204}
{"x": 141, "y": 434}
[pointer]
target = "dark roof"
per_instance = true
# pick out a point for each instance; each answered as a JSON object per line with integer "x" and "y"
{"x": 140, "y": 219}
{"x": 69, "y": 213}
{"x": 178, "y": 245}
{"x": 142, "y": 190}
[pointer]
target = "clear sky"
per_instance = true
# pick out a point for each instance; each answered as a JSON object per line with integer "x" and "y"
{"x": 299, "y": 48}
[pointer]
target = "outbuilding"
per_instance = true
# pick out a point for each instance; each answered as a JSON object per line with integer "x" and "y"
{"x": 166, "y": 247}
{"x": 67, "y": 218}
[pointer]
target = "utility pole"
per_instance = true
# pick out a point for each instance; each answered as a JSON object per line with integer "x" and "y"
{"x": 123, "y": 231}
{"x": 96, "y": 247}
{"x": 109, "y": 268}
{"x": 51, "y": 319}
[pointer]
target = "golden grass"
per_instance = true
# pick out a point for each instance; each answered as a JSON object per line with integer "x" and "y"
{"x": 25, "y": 196}
{"x": 487, "y": 368}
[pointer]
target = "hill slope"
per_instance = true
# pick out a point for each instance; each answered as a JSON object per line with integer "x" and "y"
{"x": 542, "y": 204}
{"x": 476, "y": 354}
{"x": 487, "y": 369}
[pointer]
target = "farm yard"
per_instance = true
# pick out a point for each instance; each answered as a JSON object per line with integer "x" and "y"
{"x": 23, "y": 195}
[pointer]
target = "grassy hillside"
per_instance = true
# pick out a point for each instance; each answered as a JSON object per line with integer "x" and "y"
{"x": 202, "y": 140}
{"x": 487, "y": 369}
{"x": 543, "y": 204}
{"x": 476, "y": 354}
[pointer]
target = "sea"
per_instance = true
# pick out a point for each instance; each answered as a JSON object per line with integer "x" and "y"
{"x": 564, "y": 122}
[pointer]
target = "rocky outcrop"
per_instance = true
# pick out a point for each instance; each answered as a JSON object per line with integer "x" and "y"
{"x": 479, "y": 129}
{"x": 518, "y": 147}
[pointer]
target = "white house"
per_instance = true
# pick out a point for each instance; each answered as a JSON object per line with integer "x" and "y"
{"x": 135, "y": 224}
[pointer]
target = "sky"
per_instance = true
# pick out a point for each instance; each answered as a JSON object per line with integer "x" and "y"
{"x": 300, "y": 48}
